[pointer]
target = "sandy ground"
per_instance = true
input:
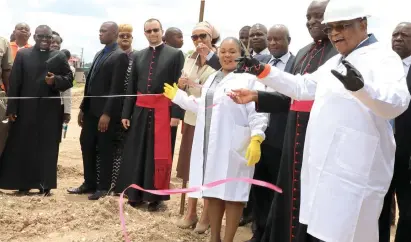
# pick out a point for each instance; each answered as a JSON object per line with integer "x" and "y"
{"x": 73, "y": 218}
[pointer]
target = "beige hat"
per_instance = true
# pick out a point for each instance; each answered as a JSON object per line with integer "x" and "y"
{"x": 207, "y": 27}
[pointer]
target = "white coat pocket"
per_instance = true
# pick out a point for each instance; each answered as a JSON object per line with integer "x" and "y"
{"x": 240, "y": 139}
{"x": 355, "y": 152}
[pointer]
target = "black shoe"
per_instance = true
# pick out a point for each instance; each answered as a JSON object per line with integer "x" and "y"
{"x": 135, "y": 204}
{"x": 23, "y": 192}
{"x": 245, "y": 220}
{"x": 154, "y": 206}
{"x": 97, "y": 195}
{"x": 83, "y": 189}
{"x": 45, "y": 192}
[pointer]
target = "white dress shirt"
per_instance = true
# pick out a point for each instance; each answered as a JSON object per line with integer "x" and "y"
{"x": 263, "y": 52}
{"x": 407, "y": 63}
{"x": 281, "y": 64}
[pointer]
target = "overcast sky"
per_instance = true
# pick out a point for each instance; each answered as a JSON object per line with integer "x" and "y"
{"x": 78, "y": 21}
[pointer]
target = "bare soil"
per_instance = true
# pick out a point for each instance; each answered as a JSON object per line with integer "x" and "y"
{"x": 73, "y": 218}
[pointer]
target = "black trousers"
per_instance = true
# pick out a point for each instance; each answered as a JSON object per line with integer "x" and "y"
{"x": 400, "y": 185}
{"x": 173, "y": 139}
{"x": 265, "y": 170}
{"x": 90, "y": 138}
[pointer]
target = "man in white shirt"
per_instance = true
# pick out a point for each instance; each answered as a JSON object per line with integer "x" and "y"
{"x": 349, "y": 148}
{"x": 400, "y": 184}
{"x": 258, "y": 40}
{"x": 277, "y": 105}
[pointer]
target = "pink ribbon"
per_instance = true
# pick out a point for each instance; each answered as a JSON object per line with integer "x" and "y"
{"x": 188, "y": 190}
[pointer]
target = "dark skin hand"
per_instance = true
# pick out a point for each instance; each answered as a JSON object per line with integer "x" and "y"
{"x": 66, "y": 118}
{"x": 103, "y": 123}
{"x": 12, "y": 117}
{"x": 50, "y": 78}
{"x": 243, "y": 96}
{"x": 5, "y": 78}
{"x": 353, "y": 81}
{"x": 80, "y": 118}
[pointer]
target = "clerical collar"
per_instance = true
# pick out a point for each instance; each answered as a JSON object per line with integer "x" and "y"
{"x": 321, "y": 41}
{"x": 156, "y": 47}
{"x": 38, "y": 48}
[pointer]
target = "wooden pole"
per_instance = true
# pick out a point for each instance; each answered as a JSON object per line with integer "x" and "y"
{"x": 202, "y": 11}
{"x": 183, "y": 199}
{"x": 183, "y": 196}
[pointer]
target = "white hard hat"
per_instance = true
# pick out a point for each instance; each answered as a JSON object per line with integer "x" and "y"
{"x": 342, "y": 10}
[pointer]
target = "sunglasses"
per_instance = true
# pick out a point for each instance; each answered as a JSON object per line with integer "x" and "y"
{"x": 149, "y": 31}
{"x": 125, "y": 36}
{"x": 338, "y": 27}
{"x": 201, "y": 36}
{"x": 44, "y": 36}
{"x": 341, "y": 27}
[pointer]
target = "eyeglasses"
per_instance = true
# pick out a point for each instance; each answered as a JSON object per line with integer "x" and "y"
{"x": 149, "y": 31}
{"x": 125, "y": 36}
{"x": 44, "y": 36}
{"x": 341, "y": 27}
{"x": 195, "y": 37}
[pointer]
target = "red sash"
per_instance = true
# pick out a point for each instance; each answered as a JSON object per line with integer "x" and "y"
{"x": 162, "y": 137}
{"x": 301, "y": 106}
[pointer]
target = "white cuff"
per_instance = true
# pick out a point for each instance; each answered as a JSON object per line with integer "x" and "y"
{"x": 210, "y": 55}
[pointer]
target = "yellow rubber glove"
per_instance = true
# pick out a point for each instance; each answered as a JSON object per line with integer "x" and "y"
{"x": 253, "y": 154}
{"x": 170, "y": 91}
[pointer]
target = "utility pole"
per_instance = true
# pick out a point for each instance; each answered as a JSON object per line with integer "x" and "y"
{"x": 201, "y": 18}
{"x": 184, "y": 185}
{"x": 82, "y": 60}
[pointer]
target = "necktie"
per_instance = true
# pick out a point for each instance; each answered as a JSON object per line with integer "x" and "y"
{"x": 274, "y": 61}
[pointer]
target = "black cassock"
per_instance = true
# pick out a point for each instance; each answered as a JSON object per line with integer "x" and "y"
{"x": 29, "y": 160}
{"x": 152, "y": 67}
{"x": 283, "y": 221}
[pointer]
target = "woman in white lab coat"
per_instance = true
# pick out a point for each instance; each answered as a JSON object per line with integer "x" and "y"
{"x": 223, "y": 132}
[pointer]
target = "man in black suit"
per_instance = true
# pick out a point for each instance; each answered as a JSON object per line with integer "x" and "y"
{"x": 277, "y": 105}
{"x": 99, "y": 116}
{"x": 400, "y": 185}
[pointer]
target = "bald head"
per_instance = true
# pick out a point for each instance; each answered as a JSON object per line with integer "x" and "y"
{"x": 174, "y": 37}
{"x": 111, "y": 26}
{"x": 278, "y": 39}
{"x": 108, "y": 32}
{"x": 401, "y": 39}
{"x": 260, "y": 27}
{"x": 43, "y": 36}
{"x": 280, "y": 28}
{"x": 258, "y": 37}
{"x": 315, "y": 16}
{"x": 21, "y": 34}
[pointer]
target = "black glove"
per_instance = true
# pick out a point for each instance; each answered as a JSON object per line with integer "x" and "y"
{"x": 249, "y": 65}
{"x": 353, "y": 81}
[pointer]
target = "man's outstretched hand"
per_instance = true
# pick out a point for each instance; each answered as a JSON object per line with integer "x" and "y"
{"x": 243, "y": 96}
{"x": 353, "y": 81}
{"x": 249, "y": 65}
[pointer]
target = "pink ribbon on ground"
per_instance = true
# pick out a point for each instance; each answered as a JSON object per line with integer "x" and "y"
{"x": 188, "y": 190}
